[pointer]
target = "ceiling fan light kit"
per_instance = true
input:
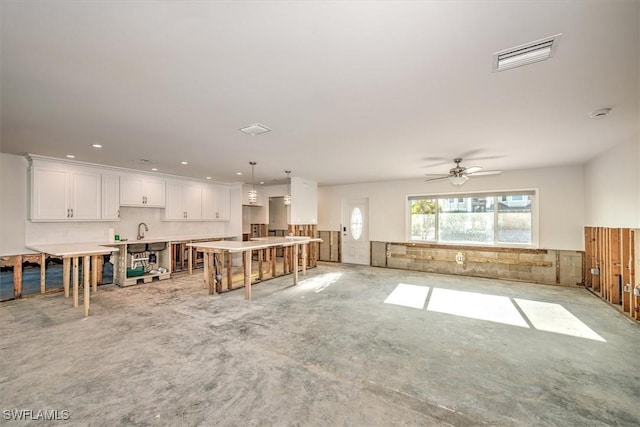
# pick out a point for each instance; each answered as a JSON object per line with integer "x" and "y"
{"x": 458, "y": 180}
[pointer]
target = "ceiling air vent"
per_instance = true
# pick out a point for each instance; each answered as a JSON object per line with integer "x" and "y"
{"x": 255, "y": 129}
{"x": 529, "y": 53}
{"x": 143, "y": 161}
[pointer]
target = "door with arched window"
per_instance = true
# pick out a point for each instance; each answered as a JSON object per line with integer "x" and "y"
{"x": 355, "y": 231}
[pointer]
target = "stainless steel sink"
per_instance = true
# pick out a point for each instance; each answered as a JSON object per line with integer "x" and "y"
{"x": 156, "y": 246}
{"x": 134, "y": 248}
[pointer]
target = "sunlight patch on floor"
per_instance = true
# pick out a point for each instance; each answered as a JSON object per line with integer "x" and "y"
{"x": 319, "y": 283}
{"x": 552, "y": 317}
{"x": 408, "y": 296}
{"x": 493, "y": 308}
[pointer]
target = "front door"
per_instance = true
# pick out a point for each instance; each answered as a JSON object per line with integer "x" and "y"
{"x": 355, "y": 231}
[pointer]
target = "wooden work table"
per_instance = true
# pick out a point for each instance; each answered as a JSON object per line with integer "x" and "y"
{"x": 71, "y": 254}
{"x": 210, "y": 249}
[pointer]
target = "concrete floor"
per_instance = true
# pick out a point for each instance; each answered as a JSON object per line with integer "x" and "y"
{"x": 327, "y": 352}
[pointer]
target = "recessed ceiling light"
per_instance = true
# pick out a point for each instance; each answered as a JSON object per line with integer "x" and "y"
{"x": 154, "y": 169}
{"x": 238, "y": 173}
{"x": 71, "y": 156}
{"x": 208, "y": 177}
{"x": 261, "y": 182}
{"x": 255, "y": 129}
{"x": 524, "y": 54}
{"x": 184, "y": 163}
{"x": 97, "y": 146}
{"x": 598, "y": 114}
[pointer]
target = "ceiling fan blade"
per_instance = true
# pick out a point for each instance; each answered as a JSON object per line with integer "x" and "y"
{"x": 484, "y": 173}
{"x": 436, "y": 163}
{"x": 472, "y": 169}
{"x": 440, "y": 178}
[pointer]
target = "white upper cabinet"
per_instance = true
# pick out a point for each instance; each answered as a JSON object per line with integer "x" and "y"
{"x": 73, "y": 191}
{"x": 184, "y": 201}
{"x": 86, "y": 195}
{"x": 61, "y": 192}
{"x": 142, "y": 191}
{"x": 110, "y": 196}
{"x": 215, "y": 202}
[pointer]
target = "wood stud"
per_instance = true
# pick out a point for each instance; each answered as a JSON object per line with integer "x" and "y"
{"x": 610, "y": 266}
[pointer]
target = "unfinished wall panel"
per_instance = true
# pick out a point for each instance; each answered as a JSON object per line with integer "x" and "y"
{"x": 611, "y": 263}
{"x": 329, "y": 248}
{"x": 308, "y": 230}
{"x": 533, "y": 265}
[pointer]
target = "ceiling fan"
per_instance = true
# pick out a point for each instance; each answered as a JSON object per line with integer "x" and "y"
{"x": 458, "y": 175}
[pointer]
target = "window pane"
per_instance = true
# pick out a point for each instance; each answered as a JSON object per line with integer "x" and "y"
{"x": 466, "y": 221}
{"x": 423, "y": 219}
{"x": 485, "y": 219}
{"x": 356, "y": 223}
{"x": 514, "y": 220}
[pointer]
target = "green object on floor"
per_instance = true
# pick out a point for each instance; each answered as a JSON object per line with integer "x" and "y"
{"x": 134, "y": 272}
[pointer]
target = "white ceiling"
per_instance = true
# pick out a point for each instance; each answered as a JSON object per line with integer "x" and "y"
{"x": 354, "y": 91}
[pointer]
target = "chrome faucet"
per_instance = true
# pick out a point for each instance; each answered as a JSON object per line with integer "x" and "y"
{"x": 141, "y": 233}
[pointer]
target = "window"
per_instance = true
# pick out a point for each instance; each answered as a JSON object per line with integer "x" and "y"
{"x": 484, "y": 219}
{"x": 356, "y": 223}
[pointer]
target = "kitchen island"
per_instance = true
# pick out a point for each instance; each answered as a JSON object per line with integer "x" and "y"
{"x": 71, "y": 253}
{"x": 225, "y": 248}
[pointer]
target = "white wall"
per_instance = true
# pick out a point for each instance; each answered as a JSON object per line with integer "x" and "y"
{"x": 127, "y": 228}
{"x": 560, "y": 203}
{"x": 304, "y": 201}
{"x": 612, "y": 187}
{"x": 13, "y": 210}
{"x": 278, "y": 214}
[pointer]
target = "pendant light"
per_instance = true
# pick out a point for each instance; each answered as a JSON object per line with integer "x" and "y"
{"x": 253, "y": 194}
{"x": 287, "y": 197}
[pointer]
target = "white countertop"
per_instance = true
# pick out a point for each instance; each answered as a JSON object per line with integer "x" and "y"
{"x": 74, "y": 249}
{"x": 154, "y": 239}
{"x": 97, "y": 248}
{"x": 254, "y": 244}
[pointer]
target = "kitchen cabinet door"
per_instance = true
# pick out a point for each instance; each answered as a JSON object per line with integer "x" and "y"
{"x": 63, "y": 193}
{"x": 215, "y": 203}
{"x": 85, "y": 190}
{"x": 142, "y": 191}
{"x": 154, "y": 192}
{"x": 50, "y": 194}
{"x": 192, "y": 201}
{"x": 110, "y": 197}
{"x": 173, "y": 208}
{"x": 184, "y": 201}
{"x": 131, "y": 190}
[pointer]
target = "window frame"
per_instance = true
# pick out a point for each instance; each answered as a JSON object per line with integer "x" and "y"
{"x": 498, "y": 194}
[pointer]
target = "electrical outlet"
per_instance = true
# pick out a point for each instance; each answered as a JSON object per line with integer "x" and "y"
{"x": 627, "y": 288}
{"x": 636, "y": 291}
{"x": 595, "y": 271}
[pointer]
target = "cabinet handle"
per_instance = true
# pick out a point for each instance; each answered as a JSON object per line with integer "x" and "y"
{"x": 217, "y": 215}
{"x": 71, "y": 213}
{"x": 68, "y": 213}
{"x": 118, "y": 213}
